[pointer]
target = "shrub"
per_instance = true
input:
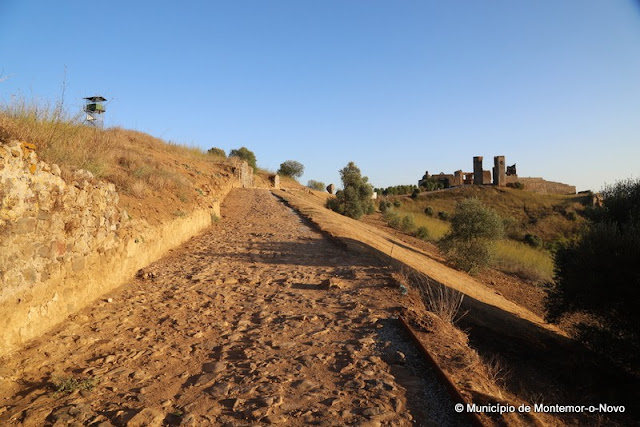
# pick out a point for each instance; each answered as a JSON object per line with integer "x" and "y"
{"x": 394, "y": 221}
{"x": 474, "y": 228}
{"x": 216, "y": 152}
{"x": 428, "y": 211}
{"x": 397, "y": 203}
{"x": 291, "y": 168}
{"x": 355, "y": 199}
{"x": 422, "y": 233}
{"x": 533, "y": 240}
{"x": 246, "y": 155}
{"x": 572, "y": 216}
{"x": 415, "y": 193}
{"x": 384, "y": 205}
{"x": 443, "y": 215}
{"x": 598, "y": 275}
{"x": 316, "y": 185}
{"x": 408, "y": 224}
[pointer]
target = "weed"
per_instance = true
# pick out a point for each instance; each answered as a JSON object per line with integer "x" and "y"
{"x": 67, "y": 385}
{"x": 496, "y": 369}
{"x": 444, "y": 302}
{"x": 179, "y": 213}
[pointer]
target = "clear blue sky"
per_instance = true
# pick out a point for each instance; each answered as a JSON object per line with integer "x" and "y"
{"x": 397, "y": 86}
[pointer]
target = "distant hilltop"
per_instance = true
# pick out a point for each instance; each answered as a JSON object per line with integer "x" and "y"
{"x": 500, "y": 176}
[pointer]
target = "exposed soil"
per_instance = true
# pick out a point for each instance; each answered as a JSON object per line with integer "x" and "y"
{"x": 541, "y": 363}
{"x": 260, "y": 319}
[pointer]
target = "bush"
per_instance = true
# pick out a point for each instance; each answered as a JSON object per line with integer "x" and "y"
{"x": 397, "y": 203}
{"x": 428, "y": 211}
{"x": 474, "y": 228}
{"x": 533, "y": 240}
{"x": 291, "y": 168}
{"x": 216, "y": 152}
{"x": 408, "y": 224}
{"x": 598, "y": 275}
{"x": 246, "y": 155}
{"x": 355, "y": 199}
{"x": 394, "y": 220}
{"x": 384, "y": 205}
{"x": 415, "y": 193}
{"x": 316, "y": 185}
{"x": 422, "y": 233}
{"x": 572, "y": 216}
{"x": 443, "y": 215}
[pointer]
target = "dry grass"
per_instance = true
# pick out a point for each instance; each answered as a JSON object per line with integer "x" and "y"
{"x": 535, "y": 265}
{"x": 437, "y": 228}
{"x": 120, "y": 156}
{"x": 546, "y": 215}
{"x": 444, "y": 302}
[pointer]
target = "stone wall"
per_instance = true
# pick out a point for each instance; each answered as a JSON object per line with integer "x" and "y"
{"x": 65, "y": 243}
{"x": 539, "y": 185}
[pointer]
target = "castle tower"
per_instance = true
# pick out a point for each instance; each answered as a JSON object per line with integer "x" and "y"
{"x": 477, "y": 171}
{"x": 499, "y": 171}
{"x": 458, "y": 180}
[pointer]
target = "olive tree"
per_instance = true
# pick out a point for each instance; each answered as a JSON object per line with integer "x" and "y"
{"x": 474, "y": 229}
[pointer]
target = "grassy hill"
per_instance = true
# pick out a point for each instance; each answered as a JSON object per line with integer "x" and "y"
{"x": 156, "y": 180}
{"x": 534, "y": 223}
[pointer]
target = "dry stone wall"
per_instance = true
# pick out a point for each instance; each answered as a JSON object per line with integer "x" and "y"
{"x": 65, "y": 243}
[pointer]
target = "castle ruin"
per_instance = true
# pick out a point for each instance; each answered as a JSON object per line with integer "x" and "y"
{"x": 500, "y": 176}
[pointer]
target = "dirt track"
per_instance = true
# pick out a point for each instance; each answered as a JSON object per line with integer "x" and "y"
{"x": 259, "y": 319}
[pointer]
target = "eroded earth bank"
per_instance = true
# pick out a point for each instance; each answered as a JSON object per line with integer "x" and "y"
{"x": 260, "y": 319}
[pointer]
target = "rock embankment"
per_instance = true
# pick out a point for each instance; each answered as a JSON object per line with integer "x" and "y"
{"x": 64, "y": 241}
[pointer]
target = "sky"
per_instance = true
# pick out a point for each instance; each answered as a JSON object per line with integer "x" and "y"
{"x": 399, "y": 86}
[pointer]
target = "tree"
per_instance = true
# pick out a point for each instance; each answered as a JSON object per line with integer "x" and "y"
{"x": 316, "y": 185}
{"x": 217, "y": 152}
{"x": 354, "y": 200}
{"x": 474, "y": 229}
{"x": 598, "y": 275}
{"x": 291, "y": 168}
{"x": 246, "y": 155}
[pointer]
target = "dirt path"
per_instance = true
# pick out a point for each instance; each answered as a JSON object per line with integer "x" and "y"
{"x": 259, "y": 319}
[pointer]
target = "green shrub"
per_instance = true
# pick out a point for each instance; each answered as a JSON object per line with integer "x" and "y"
{"x": 246, "y": 155}
{"x": 533, "y": 240}
{"x": 394, "y": 221}
{"x": 428, "y": 211}
{"x": 397, "y": 203}
{"x": 291, "y": 168}
{"x": 422, "y": 233}
{"x": 443, "y": 215}
{"x": 415, "y": 193}
{"x": 384, "y": 205}
{"x": 216, "y": 152}
{"x": 572, "y": 216}
{"x": 474, "y": 228}
{"x": 408, "y": 224}
{"x": 598, "y": 275}
{"x": 316, "y": 185}
{"x": 355, "y": 198}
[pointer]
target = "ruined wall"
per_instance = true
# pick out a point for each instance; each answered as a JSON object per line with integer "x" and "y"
{"x": 499, "y": 171}
{"x": 539, "y": 185}
{"x": 64, "y": 244}
{"x": 478, "y": 177}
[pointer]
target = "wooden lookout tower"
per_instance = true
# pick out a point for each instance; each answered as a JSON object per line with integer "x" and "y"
{"x": 94, "y": 109}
